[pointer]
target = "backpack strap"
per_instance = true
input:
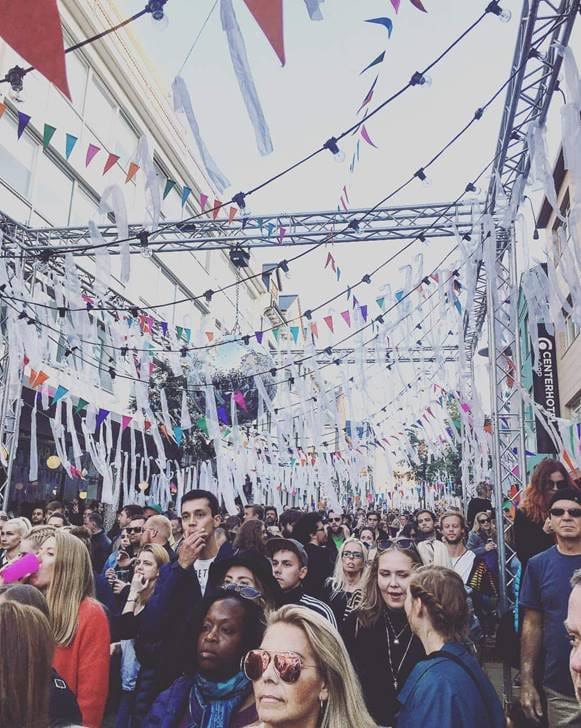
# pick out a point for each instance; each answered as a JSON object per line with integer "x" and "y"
{"x": 451, "y": 656}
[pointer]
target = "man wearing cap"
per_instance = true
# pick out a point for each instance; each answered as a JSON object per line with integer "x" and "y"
{"x": 544, "y": 595}
{"x": 290, "y": 565}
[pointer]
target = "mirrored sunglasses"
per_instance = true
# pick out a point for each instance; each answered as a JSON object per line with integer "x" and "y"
{"x": 287, "y": 665}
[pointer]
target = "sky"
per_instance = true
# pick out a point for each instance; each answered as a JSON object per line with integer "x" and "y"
{"x": 316, "y": 95}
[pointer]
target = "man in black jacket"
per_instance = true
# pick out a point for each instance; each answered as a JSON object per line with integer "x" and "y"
{"x": 100, "y": 544}
{"x": 311, "y": 532}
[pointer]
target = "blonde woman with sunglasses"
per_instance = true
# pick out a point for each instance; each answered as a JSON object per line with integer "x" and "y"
{"x": 342, "y": 591}
{"x": 302, "y": 675}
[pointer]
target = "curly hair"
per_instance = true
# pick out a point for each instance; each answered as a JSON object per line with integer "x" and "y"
{"x": 537, "y": 494}
{"x": 443, "y": 595}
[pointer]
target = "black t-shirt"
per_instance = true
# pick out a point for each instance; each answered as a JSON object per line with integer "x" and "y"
{"x": 63, "y": 707}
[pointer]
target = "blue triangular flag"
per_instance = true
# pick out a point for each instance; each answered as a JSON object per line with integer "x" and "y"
{"x": 70, "y": 144}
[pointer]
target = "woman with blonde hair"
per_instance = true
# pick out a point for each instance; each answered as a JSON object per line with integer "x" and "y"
{"x": 342, "y": 591}
{"x": 136, "y": 678}
{"x": 11, "y": 534}
{"x": 377, "y": 635}
{"x": 448, "y": 688}
{"x": 79, "y": 624}
{"x": 25, "y": 666}
{"x": 302, "y": 675}
{"x": 35, "y": 538}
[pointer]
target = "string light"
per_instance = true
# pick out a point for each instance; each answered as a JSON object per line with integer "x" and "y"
{"x": 143, "y": 237}
{"x": 503, "y": 15}
{"x": 333, "y": 147}
{"x": 421, "y": 79}
{"x": 15, "y": 78}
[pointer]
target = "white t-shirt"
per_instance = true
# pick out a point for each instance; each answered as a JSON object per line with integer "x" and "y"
{"x": 202, "y": 567}
{"x": 462, "y": 565}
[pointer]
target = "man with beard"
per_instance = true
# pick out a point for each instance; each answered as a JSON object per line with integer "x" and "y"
{"x": 337, "y": 533}
{"x": 270, "y": 516}
{"x": 430, "y": 549}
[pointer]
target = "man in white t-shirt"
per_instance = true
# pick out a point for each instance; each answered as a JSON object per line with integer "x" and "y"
{"x": 200, "y": 518}
{"x": 453, "y": 530}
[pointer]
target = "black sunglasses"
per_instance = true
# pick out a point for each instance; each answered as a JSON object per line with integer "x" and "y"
{"x": 247, "y": 592}
{"x": 573, "y": 512}
{"x": 483, "y": 520}
{"x": 137, "y": 529}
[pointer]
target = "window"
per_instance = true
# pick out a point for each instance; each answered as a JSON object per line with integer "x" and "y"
{"x": 84, "y": 207}
{"x": 100, "y": 112}
{"x": 53, "y": 190}
{"x": 571, "y": 331}
{"x": 77, "y": 72}
{"x": 126, "y": 139}
{"x": 16, "y": 157}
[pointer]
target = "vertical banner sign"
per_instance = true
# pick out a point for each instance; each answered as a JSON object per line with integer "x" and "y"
{"x": 546, "y": 389}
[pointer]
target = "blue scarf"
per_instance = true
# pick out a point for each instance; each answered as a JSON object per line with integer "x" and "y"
{"x": 212, "y": 704}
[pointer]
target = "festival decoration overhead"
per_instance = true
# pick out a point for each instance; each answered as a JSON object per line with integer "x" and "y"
{"x": 269, "y": 15}
{"x": 33, "y": 30}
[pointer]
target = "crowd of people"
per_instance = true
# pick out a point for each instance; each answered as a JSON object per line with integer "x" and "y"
{"x": 196, "y": 618}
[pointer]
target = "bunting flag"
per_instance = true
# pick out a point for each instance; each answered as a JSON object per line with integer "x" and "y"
{"x": 131, "y": 172}
{"x": 386, "y": 22}
{"x": 240, "y": 400}
{"x": 295, "y": 333}
{"x": 381, "y": 302}
{"x": 169, "y": 185}
{"x": 232, "y": 213}
{"x": 363, "y": 310}
{"x": 346, "y": 317}
{"x": 396, "y": 4}
{"x": 80, "y": 406}
{"x": 47, "y": 134}
{"x": 329, "y": 321}
{"x": 380, "y": 58}
{"x": 202, "y": 425}
{"x": 2, "y": 109}
{"x": 369, "y": 96}
{"x": 338, "y": 273}
{"x": 102, "y": 416}
{"x": 314, "y": 329}
{"x": 125, "y": 422}
{"x": 216, "y": 209}
{"x": 269, "y": 16}
{"x": 23, "y": 120}
{"x": 259, "y": 335}
{"x": 31, "y": 377}
{"x": 178, "y": 435}
{"x": 276, "y": 333}
{"x": 60, "y": 392}
{"x": 281, "y": 234}
{"x": 210, "y": 335}
{"x": 331, "y": 261}
{"x": 34, "y": 31}
{"x": 70, "y": 142}
{"x": 203, "y": 201}
{"x": 365, "y": 135}
{"x": 92, "y": 151}
{"x": 186, "y": 192}
{"x": 112, "y": 160}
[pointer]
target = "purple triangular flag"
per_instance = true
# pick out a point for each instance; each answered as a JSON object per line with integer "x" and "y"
{"x": 259, "y": 335}
{"x": 23, "y": 120}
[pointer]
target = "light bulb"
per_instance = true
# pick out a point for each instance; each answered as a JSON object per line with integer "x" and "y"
{"x": 146, "y": 251}
{"x": 339, "y": 156}
{"x": 160, "y": 21}
{"x": 505, "y": 16}
{"x": 426, "y": 80}
{"x": 17, "y": 96}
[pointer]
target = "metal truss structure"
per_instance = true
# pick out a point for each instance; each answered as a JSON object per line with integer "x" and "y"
{"x": 389, "y": 224}
{"x": 545, "y": 25}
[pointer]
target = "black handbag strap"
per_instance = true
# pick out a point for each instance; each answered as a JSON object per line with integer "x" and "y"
{"x": 468, "y": 671}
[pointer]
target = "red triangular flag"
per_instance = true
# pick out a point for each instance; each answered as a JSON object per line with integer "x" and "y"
{"x": 216, "y": 209}
{"x": 329, "y": 321}
{"x": 210, "y": 335}
{"x": 146, "y": 425}
{"x": 268, "y": 14}
{"x": 32, "y": 377}
{"x": 33, "y": 30}
{"x": 314, "y": 329}
{"x": 232, "y": 213}
{"x": 112, "y": 160}
{"x": 2, "y": 109}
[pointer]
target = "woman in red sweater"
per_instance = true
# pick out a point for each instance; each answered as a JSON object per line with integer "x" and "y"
{"x": 79, "y": 623}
